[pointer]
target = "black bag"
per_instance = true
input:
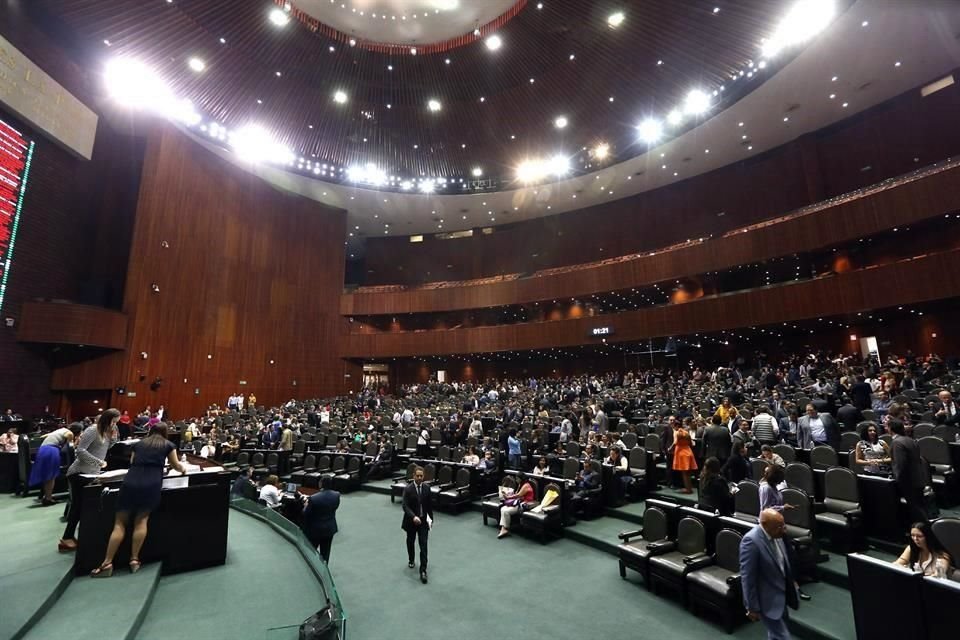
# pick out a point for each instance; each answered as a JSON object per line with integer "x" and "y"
{"x": 320, "y": 626}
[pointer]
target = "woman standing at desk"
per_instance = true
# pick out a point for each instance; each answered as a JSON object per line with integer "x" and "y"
{"x": 139, "y": 495}
{"x": 92, "y": 449}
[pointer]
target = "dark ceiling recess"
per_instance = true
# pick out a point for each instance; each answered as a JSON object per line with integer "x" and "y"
{"x": 603, "y": 80}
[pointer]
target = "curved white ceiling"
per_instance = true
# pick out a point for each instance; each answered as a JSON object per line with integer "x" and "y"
{"x": 404, "y": 21}
{"x": 863, "y": 58}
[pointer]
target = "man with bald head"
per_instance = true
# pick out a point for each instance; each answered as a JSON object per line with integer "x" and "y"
{"x": 766, "y": 576}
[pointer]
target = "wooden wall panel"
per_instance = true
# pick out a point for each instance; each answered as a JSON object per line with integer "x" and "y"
{"x": 844, "y": 222}
{"x": 72, "y": 324}
{"x": 246, "y": 278}
{"x": 921, "y": 279}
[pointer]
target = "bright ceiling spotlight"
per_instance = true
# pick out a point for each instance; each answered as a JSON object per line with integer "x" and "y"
{"x": 340, "y": 97}
{"x": 183, "y": 111}
{"x": 561, "y": 122}
{"x": 427, "y": 186}
{"x": 134, "y": 85}
{"x": 196, "y": 64}
{"x": 601, "y": 151}
{"x": 530, "y": 171}
{"x": 494, "y": 42}
{"x": 559, "y": 165}
{"x": 697, "y": 102}
{"x": 675, "y": 117}
{"x": 254, "y": 144}
{"x": 406, "y": 185}
{"x": 476, "y": 172}
{"x": 279, "y": 17}
{"x": 650, "y": 130}
{"x": 804, "y": 20}
{"x": 615, "y": 19}
{"x": 434, "y": 105}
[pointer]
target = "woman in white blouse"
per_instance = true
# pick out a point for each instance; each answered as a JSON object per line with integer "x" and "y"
{"x": 925, "y": 554}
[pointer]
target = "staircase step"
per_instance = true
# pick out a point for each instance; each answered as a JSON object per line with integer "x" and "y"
{"x": 28, "y": 593}
{"x": 827, "y": 616}
{"x": 121, "y": 602}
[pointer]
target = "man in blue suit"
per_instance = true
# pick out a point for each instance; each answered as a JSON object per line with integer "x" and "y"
{"x": 766, "y": 576}
{"x": 320, "y": 517}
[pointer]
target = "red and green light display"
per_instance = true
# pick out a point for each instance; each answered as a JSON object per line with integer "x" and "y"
{"x": 16, "y": 153}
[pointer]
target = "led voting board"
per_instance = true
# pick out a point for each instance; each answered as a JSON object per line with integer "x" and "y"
{"x": 16, "y": 152}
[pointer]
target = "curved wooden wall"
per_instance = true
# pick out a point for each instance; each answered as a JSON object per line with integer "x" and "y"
{"x": 921, "y": 279}
{"x": 846, "y": 221}
{"x": 76, "y": 324}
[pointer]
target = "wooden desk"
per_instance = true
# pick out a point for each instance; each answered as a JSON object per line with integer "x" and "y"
{"x": 187, "y": 531}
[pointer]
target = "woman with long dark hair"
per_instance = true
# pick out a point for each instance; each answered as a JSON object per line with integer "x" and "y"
{"x": 139, "y": 495}
{"x": 714, "y": 491}
{"x": 91, "y": 459}
{"x": 873, "y": 454}
{"x": 925, "y": 553}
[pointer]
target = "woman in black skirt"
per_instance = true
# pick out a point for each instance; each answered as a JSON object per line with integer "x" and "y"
{"x": 139, "y": 495}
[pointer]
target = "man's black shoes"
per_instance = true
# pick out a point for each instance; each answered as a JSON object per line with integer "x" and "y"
{"x": 423, "y": 577}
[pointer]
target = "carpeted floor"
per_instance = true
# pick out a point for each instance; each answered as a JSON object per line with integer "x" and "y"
{"x": 482, "y": 588}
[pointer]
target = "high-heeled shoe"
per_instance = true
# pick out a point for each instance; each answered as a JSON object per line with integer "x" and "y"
{"x": 134, "y": 565}
{"x": 63, "y": 547}
{"x": 103, "y": 571}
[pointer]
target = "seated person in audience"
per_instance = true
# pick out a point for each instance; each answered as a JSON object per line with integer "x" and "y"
{"x": 525, "y": 497}
{"x": 243, "y": 481}
{"x": 925, "y": 553}
{"x": 587, "y": 479}
{"x": 873, "y": 455}
{"x": 270, "y": 491}
{"x": 621, "y": 471}
{"x": 8, "y": 441}
{"x": 489, "y": 463}
{"x": 542, "y": 467}
{"x": 789, "y": 426}
{"x": 125, "y": 426}
{"x": 714, "y": 491}
{"x": 770, "y": 496}
{"x": 209, "y": 450}
{"x": 767, "y": 454}
{"x": 471, "y": 457}
{"x": 737, "y": 466}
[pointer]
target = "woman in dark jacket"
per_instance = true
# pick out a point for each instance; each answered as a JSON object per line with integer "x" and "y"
{"x": 714, "y": 490}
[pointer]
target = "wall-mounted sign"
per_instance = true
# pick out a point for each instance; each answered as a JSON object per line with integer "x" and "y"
{"x": 131, "y": 394}
{"x": 39, "y": 99}
{"x": 243, "y": 382}
{"x": 599, "y": 332}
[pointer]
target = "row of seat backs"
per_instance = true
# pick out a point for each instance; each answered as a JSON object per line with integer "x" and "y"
{"x": 841, "y": 493}
{"x": 447, "y": 474}
{"x": 688, "y": 527}
{"x": 312, "y": 462}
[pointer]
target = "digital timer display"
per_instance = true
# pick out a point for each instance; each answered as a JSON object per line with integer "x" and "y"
{"x": 16, "y": 153}
{"x": 601, "y": 331}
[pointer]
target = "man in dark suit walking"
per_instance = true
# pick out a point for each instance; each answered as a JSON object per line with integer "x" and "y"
{"x": 908, "y": 470}
{"x": 766, "y": 575}
{"x": 417, "y": 519}
{"x": 716, "y": 441}
{"x": 320, "y": 517}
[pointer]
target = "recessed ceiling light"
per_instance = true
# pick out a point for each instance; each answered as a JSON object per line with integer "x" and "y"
{"x": 716, "y": 9}
{"x": 223, "y": 41}
{"x": 675, "y": 117}
{"x": 650, "y": 130}
{"x": 601, "y": 151}
{"x": 447, "y": 61}
{"x": 833, "y": 79}
{"x": 615, "y": 19}
{"x": 434, "y": 105}
{"x": 696, "y": 102}
{"x": 494, "y": 42}
{"x": 846, "y": 104}
{"x": 560, "y": 122}
{"x": 352, "y": 42}
{"x": 897, "y": 63}
{"x": 340, "y": 97}
{"x": 413, "y": 51}
{"x": 279, "y": 74}
{"x": 331, "y": 49}
{"x": 279, "y": 17}
{"x": 196, "y": 64}
{"x": 106, "y": 42}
